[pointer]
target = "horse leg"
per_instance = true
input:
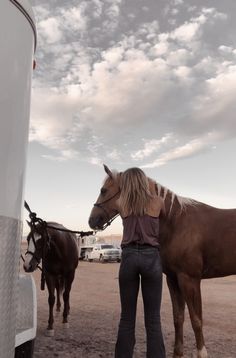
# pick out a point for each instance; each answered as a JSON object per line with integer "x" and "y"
{"x": 190, "y": 288}
{"x": 66, "y": 297}
{"x": 58, "y": 291}
{"x": 178, "y": 306}
{"x": 50, "y": 281}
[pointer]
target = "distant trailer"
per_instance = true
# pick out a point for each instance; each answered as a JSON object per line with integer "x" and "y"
{"x": 86, "y": 245}
{"x": 17, "y": 292}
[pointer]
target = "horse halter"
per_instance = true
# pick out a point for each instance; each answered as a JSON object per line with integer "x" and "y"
{"x": 33, "y": 254}
{"x": 44, "y": 236}
{"x": 100, "y": 206}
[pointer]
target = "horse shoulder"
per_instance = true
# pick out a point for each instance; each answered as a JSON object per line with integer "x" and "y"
{"x": 181, "y": 242}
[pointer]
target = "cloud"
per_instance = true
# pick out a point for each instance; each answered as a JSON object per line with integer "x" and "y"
{"x": 64, "y": 23}
{"x": 98, "y": 8}
{"x": 218, "y": 107}
{"x": 151, "y": 146}
{"x": 64, "y": 156}
{"x": 186, "y": 32}
{"x": 191, "y": 148}
{"x": 50, "y": 30}
{"x": 101, "y": 98}
{"x": 73, "y": 19}
{"x": 178, "y": 2}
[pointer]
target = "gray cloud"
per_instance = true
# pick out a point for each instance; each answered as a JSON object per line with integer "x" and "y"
{"x": 126, "y": 85}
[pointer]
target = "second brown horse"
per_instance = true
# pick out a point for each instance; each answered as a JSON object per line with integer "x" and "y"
{"x": 59, "y": 251}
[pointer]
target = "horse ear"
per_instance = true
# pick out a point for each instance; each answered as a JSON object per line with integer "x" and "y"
{"x": 108, "y": 171}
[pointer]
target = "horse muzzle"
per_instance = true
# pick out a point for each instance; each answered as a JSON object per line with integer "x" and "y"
{"x": 30, "y": 266}
{"x": 96, "y": 222}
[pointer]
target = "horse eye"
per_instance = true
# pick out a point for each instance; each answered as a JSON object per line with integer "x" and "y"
{"x": 103, "y": 191}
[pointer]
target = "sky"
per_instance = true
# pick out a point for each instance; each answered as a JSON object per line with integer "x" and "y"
{"x": 145, "y": 83}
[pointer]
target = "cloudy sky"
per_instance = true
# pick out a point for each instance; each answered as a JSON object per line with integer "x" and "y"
{"x": 148, "y": 83}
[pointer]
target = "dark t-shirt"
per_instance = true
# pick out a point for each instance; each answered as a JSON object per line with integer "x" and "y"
{"x": 140, "y": 229}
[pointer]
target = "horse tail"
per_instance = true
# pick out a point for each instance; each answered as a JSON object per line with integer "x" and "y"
{"x": 60, "y": 284}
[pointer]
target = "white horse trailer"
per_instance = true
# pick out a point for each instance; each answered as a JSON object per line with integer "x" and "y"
{"x": 17, "y": 292}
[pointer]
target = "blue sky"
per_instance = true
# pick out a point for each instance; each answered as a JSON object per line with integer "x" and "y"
{"x": 131, "y": 83}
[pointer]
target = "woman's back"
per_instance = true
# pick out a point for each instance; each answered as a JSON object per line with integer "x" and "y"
{"x": 143, "y": 230}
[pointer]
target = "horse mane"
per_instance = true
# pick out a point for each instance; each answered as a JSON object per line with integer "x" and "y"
{"x": 163, "y": 191}
{"x": 55, "y": 224}
{"x": 184, "y": 202}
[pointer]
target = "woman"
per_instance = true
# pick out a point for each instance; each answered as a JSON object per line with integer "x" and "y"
{"x": 140, "y": 210}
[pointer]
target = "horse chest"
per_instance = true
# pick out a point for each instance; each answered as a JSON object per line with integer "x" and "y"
{"x": 181, "y": 257}
{"x": 53, "y": 268}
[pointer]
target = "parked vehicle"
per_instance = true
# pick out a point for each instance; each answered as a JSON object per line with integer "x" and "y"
{"x": 86, "y": 245}
{"x": 103, "y": 252}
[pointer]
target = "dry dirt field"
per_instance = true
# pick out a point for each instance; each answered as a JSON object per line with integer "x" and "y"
{"x": 95, "y": 313}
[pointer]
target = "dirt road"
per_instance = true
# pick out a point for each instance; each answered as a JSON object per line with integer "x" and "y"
{"x": 95, "y": 312}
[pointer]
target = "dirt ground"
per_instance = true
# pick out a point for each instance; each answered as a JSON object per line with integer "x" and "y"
{"x": 95, "y": 312}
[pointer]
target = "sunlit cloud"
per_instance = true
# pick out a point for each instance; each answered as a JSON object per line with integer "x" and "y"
{"x": 100, "y": 95}
{"x": 191, "y": 148}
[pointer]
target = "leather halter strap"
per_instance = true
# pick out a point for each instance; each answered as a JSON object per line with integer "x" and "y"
{"x": 100, "y": 206}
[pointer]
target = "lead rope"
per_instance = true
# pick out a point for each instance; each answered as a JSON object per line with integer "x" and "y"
{"x": 46, "y": 241}
{"x": 33, "y": 217}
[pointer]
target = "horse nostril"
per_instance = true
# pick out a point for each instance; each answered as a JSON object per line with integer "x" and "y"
{"x": 95, "y": 222}
{"x": 27, "y": 268}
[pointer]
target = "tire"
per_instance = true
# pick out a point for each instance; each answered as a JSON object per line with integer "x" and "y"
{"x": 101, "y": 259}
{"x": 25, "y": 350}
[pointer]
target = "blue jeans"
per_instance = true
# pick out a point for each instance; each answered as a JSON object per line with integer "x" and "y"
{"x": 140, "y": 262}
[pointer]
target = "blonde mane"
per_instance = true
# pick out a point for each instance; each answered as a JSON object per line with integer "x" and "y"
{"x": 162, "y": 191}
{"x": 183, "y": 202}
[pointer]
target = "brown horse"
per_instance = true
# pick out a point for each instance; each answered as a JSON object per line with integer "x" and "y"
{"x": 59, "y": 253}
{"x": 197, "y": 242}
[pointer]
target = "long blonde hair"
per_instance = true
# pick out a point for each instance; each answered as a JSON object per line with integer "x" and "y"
{"x": 135, "y": 194}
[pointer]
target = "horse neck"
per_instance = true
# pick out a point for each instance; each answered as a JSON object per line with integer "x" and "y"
{"x": 175, "y": 205}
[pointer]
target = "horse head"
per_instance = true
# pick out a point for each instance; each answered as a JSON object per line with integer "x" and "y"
{"x": 105, "y": 210}
{"x": 35, "y": 248}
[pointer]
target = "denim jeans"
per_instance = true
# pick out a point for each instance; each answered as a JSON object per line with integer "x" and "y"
{"x": 140, "y": 264}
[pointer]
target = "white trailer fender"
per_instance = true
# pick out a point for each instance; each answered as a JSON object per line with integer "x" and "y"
{"x": 17, "y": 43}
{"x": 26, "y": 315}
